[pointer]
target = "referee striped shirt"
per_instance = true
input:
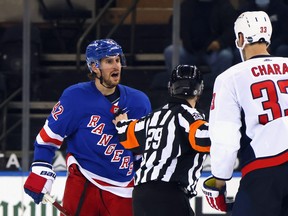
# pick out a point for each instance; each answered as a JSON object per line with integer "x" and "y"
{"x": 173, "y": 142}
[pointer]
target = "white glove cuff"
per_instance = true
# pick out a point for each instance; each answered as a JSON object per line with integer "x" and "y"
{"x": 44, "y": 170}
{"x": 210, "y": 193}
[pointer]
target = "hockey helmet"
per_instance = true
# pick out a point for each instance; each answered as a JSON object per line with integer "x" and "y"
{"x": 102, "y": 48}
{"x": 255, "y": 27}
{"x": 186, "y": 80}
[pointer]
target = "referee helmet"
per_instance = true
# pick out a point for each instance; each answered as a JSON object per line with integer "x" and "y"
{"x": 186, "y": 81}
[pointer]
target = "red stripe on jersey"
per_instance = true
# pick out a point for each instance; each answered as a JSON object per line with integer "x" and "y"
{"x": 265, "y": 163}
{"x": 131, "y": 183}
{"x": 212, "y": 106}
{"x": 47, "y": 139}
{"x": 75, "y": 169}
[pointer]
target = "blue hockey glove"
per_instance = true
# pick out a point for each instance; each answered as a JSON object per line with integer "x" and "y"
{"x": 39, "y": 181}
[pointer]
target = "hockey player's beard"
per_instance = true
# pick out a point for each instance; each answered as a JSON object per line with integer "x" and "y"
{"x": 108, "y": 83}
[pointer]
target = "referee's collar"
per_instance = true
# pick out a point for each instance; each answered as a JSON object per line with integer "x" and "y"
{"x": 178, "y": 101}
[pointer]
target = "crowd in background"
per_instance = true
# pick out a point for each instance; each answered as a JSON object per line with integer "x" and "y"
{"x": 207, "y": 36}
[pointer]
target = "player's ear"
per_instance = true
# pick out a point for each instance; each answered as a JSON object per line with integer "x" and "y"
{"x": 240, "y": 39}
{"x": 95, "y": 69}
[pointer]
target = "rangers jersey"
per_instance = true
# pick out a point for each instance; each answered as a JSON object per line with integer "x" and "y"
{"x": 83, "y": 118}
{"x": 248, "y": 116}
{"x": 173, "y": 142}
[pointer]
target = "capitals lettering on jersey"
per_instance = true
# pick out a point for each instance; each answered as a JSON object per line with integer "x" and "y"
{"x": 270, "y": 69}
{"x": 110, "y": 147}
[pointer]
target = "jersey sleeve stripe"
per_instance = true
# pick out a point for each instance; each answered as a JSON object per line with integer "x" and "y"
{"x": 192, "y": 133}
{"x": 131, "y": 141}
{"x": 47, "y": 139}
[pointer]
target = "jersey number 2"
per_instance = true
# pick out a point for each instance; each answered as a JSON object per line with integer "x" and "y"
{"x": 272, "y": 103}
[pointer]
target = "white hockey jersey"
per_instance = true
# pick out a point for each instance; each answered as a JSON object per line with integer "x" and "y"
{"x": 248, "y": 116}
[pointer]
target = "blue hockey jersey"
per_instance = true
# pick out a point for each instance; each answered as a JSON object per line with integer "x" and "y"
{"x": 83, "y": 118}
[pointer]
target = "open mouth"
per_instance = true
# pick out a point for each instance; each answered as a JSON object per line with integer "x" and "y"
{"x": 115, "y": 74}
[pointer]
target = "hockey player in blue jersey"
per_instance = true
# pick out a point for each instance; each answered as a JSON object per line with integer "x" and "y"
{"x": 100, "y": 170}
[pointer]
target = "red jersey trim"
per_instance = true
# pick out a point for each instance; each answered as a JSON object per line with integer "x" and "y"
{"x": 47, "y": 139}
{"x": 105, "y": 184}
{"x": 265, "y": 163}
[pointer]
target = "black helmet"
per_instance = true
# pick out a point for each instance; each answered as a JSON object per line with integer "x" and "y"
{"x": 186, "y": 81}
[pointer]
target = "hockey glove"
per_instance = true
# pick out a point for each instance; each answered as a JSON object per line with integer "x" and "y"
{"x": 216, "y": 197}
{"x": 39, "y": 181}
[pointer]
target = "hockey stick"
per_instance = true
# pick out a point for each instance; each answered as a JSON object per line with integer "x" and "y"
{"x": 53, "y": 201}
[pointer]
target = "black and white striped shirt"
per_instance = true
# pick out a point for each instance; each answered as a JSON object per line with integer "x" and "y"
{"x": 173, "y": 142}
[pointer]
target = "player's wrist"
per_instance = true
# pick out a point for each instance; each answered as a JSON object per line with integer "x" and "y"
{"x": 43, "y": 169}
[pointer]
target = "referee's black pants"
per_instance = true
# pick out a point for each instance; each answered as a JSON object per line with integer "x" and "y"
{"x": 158, "y": 198}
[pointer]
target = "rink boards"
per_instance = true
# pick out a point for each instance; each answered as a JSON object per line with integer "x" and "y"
{"x": 13, "y": 200}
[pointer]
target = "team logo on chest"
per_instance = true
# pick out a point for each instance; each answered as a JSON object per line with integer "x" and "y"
{"x": 98, "y": 128}
{"x": 114, "y": 109}
{"x": 110, "y": 148}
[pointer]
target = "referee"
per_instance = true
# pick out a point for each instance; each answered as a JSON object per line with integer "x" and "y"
{"x": 173, "y": 142}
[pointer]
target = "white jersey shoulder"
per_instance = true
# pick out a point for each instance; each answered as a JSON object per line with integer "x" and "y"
{"x": 254, "y": 92}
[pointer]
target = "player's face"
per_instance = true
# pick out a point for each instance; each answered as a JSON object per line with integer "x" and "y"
{"x": 111, "y": 70}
